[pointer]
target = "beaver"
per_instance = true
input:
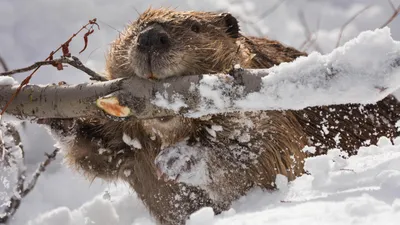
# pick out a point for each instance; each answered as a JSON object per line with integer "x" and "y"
{"x": 177, "y": 165}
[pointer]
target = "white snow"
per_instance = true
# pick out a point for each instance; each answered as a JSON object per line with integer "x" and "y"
{"x": 310, "y": 149}
{"x": 6, "y": 80}
{"x": 176, "y": 104}
{"x": 365, "y": 70}
{"x": 133, "y": 142}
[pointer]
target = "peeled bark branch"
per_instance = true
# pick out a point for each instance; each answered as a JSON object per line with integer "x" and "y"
{"x": 364, "y": 70}
{"x": 57, "y": 101}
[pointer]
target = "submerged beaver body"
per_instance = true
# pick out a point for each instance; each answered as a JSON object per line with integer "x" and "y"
{"x": 177, "y": 165}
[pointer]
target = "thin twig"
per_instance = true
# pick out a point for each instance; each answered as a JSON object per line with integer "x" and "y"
{"x": 266, "y": 13}
{"x": 21, "y": 192}
{"x": 65, "y": 50}
{"x": 307, "y": 31}
{"x": 270, "y": 10}
{"x": 42, "y": 167}
{"x": 348, "y": 22}
{"x": 392, "y": 5}
{"x": 314, "y": 41}
{"x": 3, "y": 64}
{"x": 263, "y": 16}
{"x": 73, "y": 61}
{"x": 311, "y": 38}
{"x": 396, "y": 12}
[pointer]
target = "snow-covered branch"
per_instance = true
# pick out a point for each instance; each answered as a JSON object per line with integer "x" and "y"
{"x": 364, "y": 70}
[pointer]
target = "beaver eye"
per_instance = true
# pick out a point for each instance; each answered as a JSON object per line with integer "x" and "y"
{"x": 195, "y": 28}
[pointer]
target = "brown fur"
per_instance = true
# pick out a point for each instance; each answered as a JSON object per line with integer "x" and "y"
{"x": 250, "y": 150}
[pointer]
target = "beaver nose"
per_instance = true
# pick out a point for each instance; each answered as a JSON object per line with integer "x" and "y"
{"x": 153, "y": 37}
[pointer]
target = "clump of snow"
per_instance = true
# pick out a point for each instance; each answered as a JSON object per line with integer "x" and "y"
{"x": 384, "y": 141}
{"x": 212, "y": 93}
{"x": 176, "y": 104}
{"x": 102, "y": 150}
{"x": 310, "y": 149}
{"x": 133, "y": 142}
{"x": 184, "y": 163}
{"x": 217, "y": 128}
{"x": 281, "y": 182}
{"x": 7, "y": 81}
{"x": 127, "y": 173}
{"x": 202, "y": 216}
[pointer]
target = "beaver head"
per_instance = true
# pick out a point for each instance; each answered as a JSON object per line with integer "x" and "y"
{"x": 163, "y": 43}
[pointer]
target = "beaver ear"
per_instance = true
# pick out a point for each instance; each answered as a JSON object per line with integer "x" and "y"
{"x": 231, "y": 24}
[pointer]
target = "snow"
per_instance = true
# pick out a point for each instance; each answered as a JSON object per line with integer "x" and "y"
{"x": 183, "y": 163}
{"x": 133, "y": 142}
{"x": 202, "y": 216}
{"x": 176, "y": 104}
{"x": 364, "y": 70}
{"x": 363, "y": 192}
{"x": 6, "y": 80}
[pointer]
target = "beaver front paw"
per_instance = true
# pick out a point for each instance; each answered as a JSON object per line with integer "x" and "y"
{"x": 183, "y": 163}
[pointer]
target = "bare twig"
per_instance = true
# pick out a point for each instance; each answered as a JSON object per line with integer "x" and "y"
{"x": 270, "y": 10}
{"x": 348, "y": 22}
{"x": 73, "y": 61}
{"x": 396, "y": 12}
{"x": 392, "y": 5}
{"x": 3, "y": 64}
{"x": 8, "y": 147}
{"x": 21, "y": 191}
{"x": 39, "y": 171}
{"x": 307, "y": 31}
{"x": 311, "y": 38}
{"x": 14, "y": 203}
{"x": 65, "y": 49}
{"x": 262, "y": 16}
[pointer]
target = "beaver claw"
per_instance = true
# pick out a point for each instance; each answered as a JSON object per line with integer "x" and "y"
{"x": 182, "y": 163}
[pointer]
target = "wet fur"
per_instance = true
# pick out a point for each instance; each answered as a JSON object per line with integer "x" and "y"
{"x": 236, "y": 164}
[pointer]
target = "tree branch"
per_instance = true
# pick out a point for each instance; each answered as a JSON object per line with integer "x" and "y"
{"x": 21, "y": 191}
{"x": 3, "y": 64}
{"x": 348, "y": 22}
{"x": 362, "y": 71}
{"x": 60, "y": 101}
{"x": 396, "y": 12}
{"x": 73, "y": 61}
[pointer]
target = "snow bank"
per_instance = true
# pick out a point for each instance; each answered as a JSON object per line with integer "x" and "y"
{"x": 110, "y": 208}
{"x": 362, "y": 189}
{"x": 364, "y": 70}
